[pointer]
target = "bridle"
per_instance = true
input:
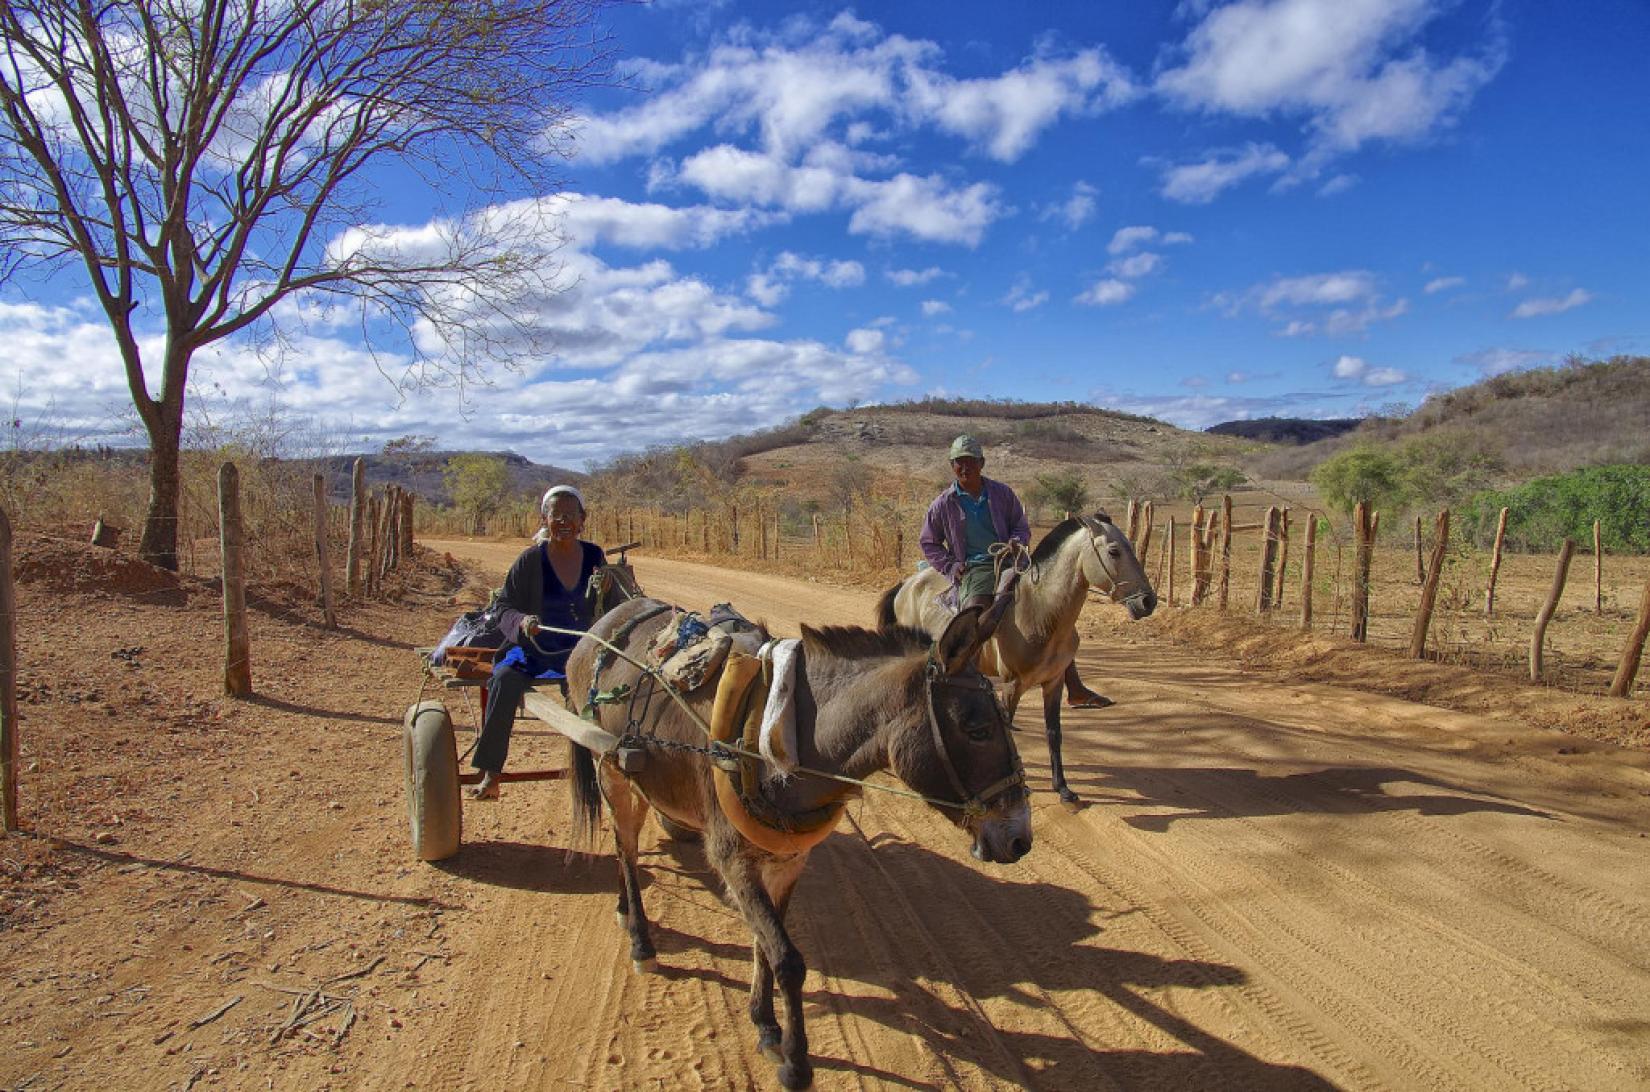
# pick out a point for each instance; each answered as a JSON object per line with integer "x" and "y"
{"x": 1115, "y": 588}
{"x": 975, "y": 804}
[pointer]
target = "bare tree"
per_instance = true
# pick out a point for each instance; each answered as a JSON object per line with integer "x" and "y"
{"x": 205, "y": 160}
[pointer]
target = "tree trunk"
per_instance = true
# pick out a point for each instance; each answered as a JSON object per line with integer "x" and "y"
{"x": 159, "y": 544}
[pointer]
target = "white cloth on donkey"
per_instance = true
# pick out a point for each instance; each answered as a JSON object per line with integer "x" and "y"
{"x": 777, "y": 741}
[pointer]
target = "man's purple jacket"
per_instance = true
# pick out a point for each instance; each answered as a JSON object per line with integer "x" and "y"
{"x": 943, "y": 539}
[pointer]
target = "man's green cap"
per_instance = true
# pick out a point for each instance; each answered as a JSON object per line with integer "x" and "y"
{"x": 966, "y": 445}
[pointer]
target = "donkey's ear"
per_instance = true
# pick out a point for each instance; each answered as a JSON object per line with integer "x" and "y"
{"x": 960, "y": 642}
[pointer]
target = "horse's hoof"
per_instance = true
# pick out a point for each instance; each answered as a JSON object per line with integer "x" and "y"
{"x": 768, "y": 1046}
{"x": 1067, "y": 796}
{"x": 800, "y": 1075}
{"x": 645, "y": 966}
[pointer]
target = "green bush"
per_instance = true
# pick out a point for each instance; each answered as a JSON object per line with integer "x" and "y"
{"x": 1365, "y": 473}
{"x": 1061, "y": 491}
{"x": 1543, "y": 512}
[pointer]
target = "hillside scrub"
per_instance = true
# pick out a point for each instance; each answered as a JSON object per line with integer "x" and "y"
{"x": 1538, "y": 421}
{"x": 1543, "y": 512}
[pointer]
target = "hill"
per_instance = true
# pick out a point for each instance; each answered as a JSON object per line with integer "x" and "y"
{"x": 1287, "y": 430}
{"x": 1536, "y": 422}
{"x": 422, "y": 472}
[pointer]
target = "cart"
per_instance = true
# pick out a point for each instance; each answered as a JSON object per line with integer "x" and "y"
{"x": 431, "y": 770}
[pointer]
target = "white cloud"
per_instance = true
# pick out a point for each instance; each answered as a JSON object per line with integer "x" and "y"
{"x": 1551, "y": 305}
{"x": 865, "y": 342}
{"x": 772, "y": 285}
{"x": 1517, "y": 282}
{"x": 1021, "y": 298}
{"x": 1345, "y": 302}
{"x": 935, "y": 307}
{"x": 1339, "y": 184}
{"x": 1201, "y": 183}
{"x": 907, "y": 278}
{"x": 1498, "y": 361}
{"x": 1354, "y": 70}
{"x": 1357, "y": 369}
{"x": 924, "y": 208}
{"x": 1005, "y": 114}
{"x": 1135, "y": 265}
{"x": 1106, "y": 293}
{"x": 1443, "y": 284}
{"x": 1074, "y": 211}
{"x": 1126, "y": 239}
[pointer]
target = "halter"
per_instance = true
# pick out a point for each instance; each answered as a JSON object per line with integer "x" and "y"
{"x": 1116, "y": 588}
{"x": 971, "y": 805}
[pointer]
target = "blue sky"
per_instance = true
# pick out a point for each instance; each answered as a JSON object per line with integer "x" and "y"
{"x": 1198, "y": 211}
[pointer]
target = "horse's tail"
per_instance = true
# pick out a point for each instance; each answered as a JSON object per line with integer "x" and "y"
{"x": 587, "y": 795}
{"x": 885, "y": 607}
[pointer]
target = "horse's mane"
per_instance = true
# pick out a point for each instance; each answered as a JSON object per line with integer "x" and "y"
{"x": 859, "y": 643}
{"x": 1051, "y": 542}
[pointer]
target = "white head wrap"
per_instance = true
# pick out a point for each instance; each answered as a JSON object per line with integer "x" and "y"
{"x": 558, "y": 490}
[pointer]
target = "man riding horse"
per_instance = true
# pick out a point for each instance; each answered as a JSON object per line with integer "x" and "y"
{"x": 965, "y": 521}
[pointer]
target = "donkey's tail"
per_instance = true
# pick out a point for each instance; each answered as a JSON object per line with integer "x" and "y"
{"x": 587, "y": 795}
{"x": 885, "y": 607}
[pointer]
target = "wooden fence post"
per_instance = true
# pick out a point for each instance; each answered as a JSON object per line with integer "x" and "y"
{"x": 1308, "y": 556}
{"x": 1495, "y": 562}
{"x": 763, "y": 525}
{"x": 375, "y": 542}
{"x": 1283, "y": 558}
{"x": 1420, "y": 567}
{"x": 1429, "y": 588}
{"x": 1622, "y": 685}
{"x": 1168, "y": 596}
{"x": 322, "y": 555}
{"x": 1194, "y": 547}
{"x": 357, "y": 520}
{"x": 1225, "y": 550}
{"x": 237, "y": 659}
{"x": 1268, "y": 560}
{"x": 1598, "y": 570}
{"x": 11, "y": 744}
{"x": 1538, "y": 638}
{"x": 1363, "y": 532}
{"x": 1131, "y": 519}
{"x": 407, "y": 499}
{"x": 390, "y": 535}
{"x": 819, "y": 545}
{"x": 899, "y": 550}
{"x": 1146, "y": 516}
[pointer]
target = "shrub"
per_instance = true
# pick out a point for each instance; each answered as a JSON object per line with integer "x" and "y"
{"x": 1060, "y": 490}
{"x": 1369, "y": 474}
{"x": 1543, "y": 512}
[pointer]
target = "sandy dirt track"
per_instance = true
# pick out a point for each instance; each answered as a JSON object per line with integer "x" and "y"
{"x": 1294, "y": 888}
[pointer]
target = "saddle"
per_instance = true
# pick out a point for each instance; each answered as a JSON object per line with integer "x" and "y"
{"x": 690, "y": 648}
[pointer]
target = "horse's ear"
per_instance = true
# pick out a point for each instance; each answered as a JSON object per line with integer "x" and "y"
{"x": 961, "y": 641}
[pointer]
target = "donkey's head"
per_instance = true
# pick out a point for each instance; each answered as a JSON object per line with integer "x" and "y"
{"x": 960, "y": 750}
{"x": 1110, "y": 566}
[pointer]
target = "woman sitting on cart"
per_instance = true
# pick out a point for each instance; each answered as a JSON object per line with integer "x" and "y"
{"x": 546, "y": 586}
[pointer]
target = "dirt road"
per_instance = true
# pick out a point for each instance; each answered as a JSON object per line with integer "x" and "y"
{"x": 1299, "y": 888}
{"x": 1266, "y": 886}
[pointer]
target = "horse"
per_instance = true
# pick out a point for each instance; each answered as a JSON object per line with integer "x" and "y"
{"x": 1037, "y": 639}
{"x": 865, "y": 700}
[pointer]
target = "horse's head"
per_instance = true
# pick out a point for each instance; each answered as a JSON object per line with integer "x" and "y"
{"x": 963, "y": 753}
{"x": 1110, "y": 566}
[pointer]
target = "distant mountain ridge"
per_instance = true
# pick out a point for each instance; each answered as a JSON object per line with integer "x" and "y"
{"x": 1287, "y": 430}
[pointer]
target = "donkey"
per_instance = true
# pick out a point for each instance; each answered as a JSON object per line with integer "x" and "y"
{"x": 865, "y": 700}
{"x": 1037, "y": 639}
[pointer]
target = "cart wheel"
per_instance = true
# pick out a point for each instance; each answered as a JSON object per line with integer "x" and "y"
{"x": 433, "y": 805}
{"x": 675, "y": 831}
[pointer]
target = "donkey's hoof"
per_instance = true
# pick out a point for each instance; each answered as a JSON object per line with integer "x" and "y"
{"x": 800, "y": 1075}
{"x": 1067, "y": 796}
{"x": 621, "y": 917}
{"x": 767, "y": 1043}
{"x": 645, "y": 966}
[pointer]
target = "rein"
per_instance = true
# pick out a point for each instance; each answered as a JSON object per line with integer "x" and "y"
{"x": 725, "y": 754}
{"x": 1114, "y": 592}
{"x": 973, "y": 804}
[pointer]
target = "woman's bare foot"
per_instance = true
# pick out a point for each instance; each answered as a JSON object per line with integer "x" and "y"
{"x": 486, "y": 788}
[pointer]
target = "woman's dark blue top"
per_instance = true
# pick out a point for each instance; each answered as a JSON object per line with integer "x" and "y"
{"x": 563, "y": 607}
